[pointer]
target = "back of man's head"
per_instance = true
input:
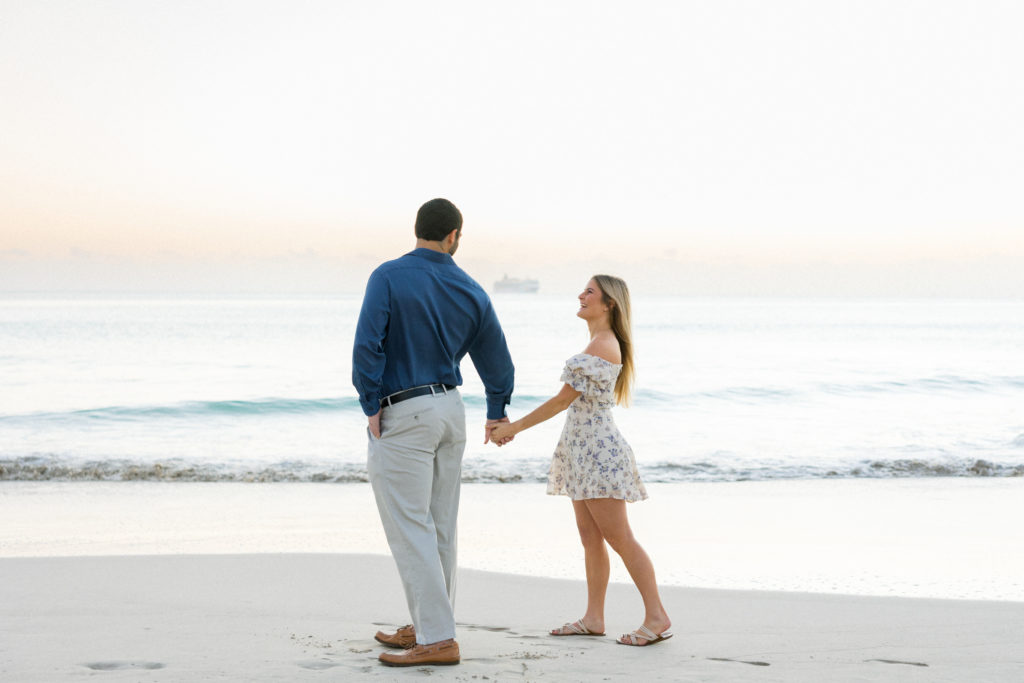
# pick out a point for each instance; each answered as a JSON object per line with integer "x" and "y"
{"x": 436, "y": 219}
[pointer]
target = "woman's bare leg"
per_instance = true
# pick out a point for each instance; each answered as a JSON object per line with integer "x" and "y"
{"x": 610, "y": 517}
{"x": 595, "y": 555}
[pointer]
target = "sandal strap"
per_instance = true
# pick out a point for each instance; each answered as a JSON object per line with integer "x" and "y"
{"x": 576, "y": 627}
{"x": 646, "y": 633}
{"x": 642, "y": 632}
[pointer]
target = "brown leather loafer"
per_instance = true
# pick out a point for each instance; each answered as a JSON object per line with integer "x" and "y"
{"x": 403, "y": 638}
{"x": 444, "y": 653}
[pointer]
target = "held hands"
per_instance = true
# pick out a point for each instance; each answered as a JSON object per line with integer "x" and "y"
{"x": 503, "y": 433}
{"x": 491, "y": 426}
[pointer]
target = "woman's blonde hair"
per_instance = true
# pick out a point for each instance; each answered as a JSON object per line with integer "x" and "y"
{"x": 615, "y": 294}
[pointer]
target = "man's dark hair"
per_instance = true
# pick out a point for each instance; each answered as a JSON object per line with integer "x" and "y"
{"x": 436, "y": 219}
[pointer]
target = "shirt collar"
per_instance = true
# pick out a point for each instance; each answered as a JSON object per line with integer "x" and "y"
{"x": 431, "y": 255}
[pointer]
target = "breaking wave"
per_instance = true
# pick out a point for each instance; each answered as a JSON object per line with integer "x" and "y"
{"x": 479, "y": 470}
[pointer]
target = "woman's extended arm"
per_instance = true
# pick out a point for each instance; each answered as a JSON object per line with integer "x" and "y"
{"x": 545, "y": 411}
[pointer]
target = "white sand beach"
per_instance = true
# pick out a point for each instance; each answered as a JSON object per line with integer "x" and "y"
{"x": 186, "y": 582}
{"x": 312, "y": 617}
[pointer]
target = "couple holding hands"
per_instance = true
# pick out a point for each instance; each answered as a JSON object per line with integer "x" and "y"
{"x": 421, "y": 315}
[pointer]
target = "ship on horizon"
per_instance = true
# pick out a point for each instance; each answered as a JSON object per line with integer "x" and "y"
{"x": 515, "y": 284}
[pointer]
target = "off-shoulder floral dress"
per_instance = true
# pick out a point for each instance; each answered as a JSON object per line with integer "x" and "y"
{"x": 592, "y": 460}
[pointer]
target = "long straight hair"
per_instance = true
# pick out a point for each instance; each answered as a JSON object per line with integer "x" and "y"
{"x": 615, "y": 294}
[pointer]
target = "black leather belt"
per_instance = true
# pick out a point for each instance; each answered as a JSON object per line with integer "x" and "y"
{"x": 399, "y": 396}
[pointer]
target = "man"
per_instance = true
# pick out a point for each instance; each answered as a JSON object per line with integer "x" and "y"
{"x": 421, "y": 314}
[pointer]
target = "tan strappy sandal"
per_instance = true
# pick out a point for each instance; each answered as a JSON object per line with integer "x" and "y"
{"x": 576, "y": 628}
{"x": 647, "y": 634}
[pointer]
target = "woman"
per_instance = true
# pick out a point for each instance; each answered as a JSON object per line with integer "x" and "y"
{"x": 594, "y": 465}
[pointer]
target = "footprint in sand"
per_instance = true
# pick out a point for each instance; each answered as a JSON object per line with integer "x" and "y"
{"x": 896, "y": 661}
{"x": 317, "y": 666}
{"x": 121, "y": 666}
{"x": 738, "y": 661}
{"x": 480, "y": 627}
{"x": 530, "y": 655}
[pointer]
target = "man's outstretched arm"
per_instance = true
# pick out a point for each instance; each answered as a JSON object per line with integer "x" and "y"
{"x": 493, "y": 363}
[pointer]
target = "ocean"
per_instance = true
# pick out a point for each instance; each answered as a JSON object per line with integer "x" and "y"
{"x": 239, "y": 390}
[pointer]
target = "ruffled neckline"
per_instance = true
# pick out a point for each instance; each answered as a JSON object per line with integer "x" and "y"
{"x": 590, "y": 355}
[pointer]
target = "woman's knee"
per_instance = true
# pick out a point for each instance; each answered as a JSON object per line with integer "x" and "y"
{"x": 620, "y": 540}
{"x": 590, "y": 535}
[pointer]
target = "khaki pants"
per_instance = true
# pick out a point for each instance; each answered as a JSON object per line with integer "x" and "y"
{"x": 415, "y": 470}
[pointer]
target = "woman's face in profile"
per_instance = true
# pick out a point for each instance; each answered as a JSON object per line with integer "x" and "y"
{"x": 591, "y": 304}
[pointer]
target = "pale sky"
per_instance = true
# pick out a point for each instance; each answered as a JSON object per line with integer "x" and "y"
{"x": 694, "y": 147}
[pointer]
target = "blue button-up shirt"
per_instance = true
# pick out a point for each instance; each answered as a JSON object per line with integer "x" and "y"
{"x": 421, "y": 314}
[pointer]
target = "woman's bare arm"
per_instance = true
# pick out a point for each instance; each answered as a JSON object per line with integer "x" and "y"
{"x": 545, "y": 411}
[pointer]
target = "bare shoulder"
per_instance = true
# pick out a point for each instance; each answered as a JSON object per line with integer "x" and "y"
{"x": 605, "y": 346}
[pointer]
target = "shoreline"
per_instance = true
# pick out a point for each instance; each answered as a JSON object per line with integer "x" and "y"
{"x": 912, "y": 538}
